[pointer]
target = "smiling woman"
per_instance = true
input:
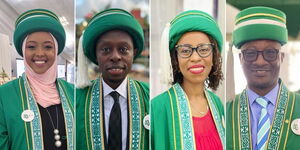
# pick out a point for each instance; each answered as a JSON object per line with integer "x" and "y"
{"x": 36, "y": 109}
{"x": 188, "y": 107}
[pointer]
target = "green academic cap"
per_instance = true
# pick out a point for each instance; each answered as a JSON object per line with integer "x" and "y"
{"x": 111, "y": 19}
{"x": 258, "y": 23}
{"x": 194, "y": 20}
{"x": 37, "y": 20}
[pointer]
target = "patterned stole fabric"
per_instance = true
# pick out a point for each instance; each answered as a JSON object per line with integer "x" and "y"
{"x": 94, "y": 116}
{"x": 241, "y": 120}
{"x": 34, "y": 128}
{"x": 181, "y": 104}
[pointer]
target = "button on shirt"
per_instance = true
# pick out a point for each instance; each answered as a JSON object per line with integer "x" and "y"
{"x": 108, "y": 104}
{"x": 255, "y": 109}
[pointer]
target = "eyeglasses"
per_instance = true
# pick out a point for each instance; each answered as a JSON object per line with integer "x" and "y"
{"x": 268, "y": 54}
{"x": 186, "y": 50}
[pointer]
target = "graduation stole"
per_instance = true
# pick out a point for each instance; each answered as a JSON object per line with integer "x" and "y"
{"x": 280, "y": 125}
{"x": 182, "y": 118}
{"x": 94, "y": 118}
{"x": 34, "y": 129}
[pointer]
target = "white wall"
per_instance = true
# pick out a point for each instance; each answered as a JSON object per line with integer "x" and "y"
{"x": 5, "y": 54}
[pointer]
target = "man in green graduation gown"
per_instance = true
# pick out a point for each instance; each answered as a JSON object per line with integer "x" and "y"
{"x": 111, "y": 110}
{"x": 266, "y": 115}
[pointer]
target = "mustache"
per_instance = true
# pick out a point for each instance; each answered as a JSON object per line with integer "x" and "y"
{"x": 260, "y": 67}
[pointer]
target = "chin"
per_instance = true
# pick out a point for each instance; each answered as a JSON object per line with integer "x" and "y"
{"x": 39, "y": 71}
{"x": 116, "y": 79}
{"x": 262, "y": 85}
{"x": 197, "y": 80}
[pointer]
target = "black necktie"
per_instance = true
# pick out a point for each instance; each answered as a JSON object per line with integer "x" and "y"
{"x": 115, "y": 125}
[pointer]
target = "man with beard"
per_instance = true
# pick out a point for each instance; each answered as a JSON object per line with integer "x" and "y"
{"x": 110, "y": 111}
{"x": 266, "y": 115}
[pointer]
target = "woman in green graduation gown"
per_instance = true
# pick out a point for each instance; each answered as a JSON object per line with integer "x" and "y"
{"x": 36, "y": 109}
{"x": 189, "y": 116}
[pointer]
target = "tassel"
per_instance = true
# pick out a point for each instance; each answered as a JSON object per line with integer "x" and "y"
{"x": 82, "y": 78}
{"x": 166, "y": 71}
{"x": 230, "y": 85}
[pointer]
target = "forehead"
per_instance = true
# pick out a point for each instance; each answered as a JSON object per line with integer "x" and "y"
{"x": 261, "y": 44}
{"x": 193, "y": 38}
{"x": 115, "y": 36}
{"x": 39, "y": 37}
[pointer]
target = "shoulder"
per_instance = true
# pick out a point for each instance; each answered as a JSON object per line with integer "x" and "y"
{"x": 161, "y": 99}
{"x": 10, "y": 93}
{"x": 297, "y": 97}
{"x": 143, "y": 85}
{"x": 82, "y": 94}
{"x": 160, "y": 105}
{"x": 85, "y": 89}
{"x": 10, "y": 85}
{"x": 214, "y": 96}
{"x": 232, "y": 102}
{"x": 66, "y": 84}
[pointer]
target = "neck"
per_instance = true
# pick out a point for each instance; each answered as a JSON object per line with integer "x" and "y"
{"x": 193, "y": 90}
{"x": 113, "y": 84}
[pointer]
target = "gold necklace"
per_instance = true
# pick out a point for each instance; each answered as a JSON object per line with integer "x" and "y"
{"x": 201, "y": 112}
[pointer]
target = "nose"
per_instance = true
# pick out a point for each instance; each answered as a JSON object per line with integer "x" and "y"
{"x": 39, "y": 51}
{"x": 115, "y": 55}
{"x": 260, "y": 60}
{"x": 195, "y": 56}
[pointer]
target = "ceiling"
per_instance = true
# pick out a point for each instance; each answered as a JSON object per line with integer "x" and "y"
{"x": 11, "y": 9}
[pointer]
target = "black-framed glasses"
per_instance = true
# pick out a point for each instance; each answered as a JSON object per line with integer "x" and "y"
{"x": 268, "y": 54}
{"x": 186, "y": 50}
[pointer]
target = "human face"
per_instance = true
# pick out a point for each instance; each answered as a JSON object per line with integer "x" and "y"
{"x": 40, "y": 51}
{"x": 195, "y": 69}
{"x": 115, "y": 52}
{"x": 261, "y": 75}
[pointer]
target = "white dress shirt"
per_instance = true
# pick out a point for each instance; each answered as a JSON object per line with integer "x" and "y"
{"x": 108, "y": 104}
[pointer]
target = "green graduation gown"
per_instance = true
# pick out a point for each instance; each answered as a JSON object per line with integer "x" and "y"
{"x": 281, "y": 137}
{"x": 171, "y": 120}
{"x": 15, "y": 133}
{"x": 89, "y": 116}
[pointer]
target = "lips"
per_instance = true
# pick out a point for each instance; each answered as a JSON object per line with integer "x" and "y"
{"x": 116, "y": 70}
{"x": 39, "y": 63}
{"x": 196, "y": 69}
{"x": 260, "y": 72}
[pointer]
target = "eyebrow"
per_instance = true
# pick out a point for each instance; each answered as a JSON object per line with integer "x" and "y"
{"x": 49, "y": 42}
{"x": 43, "y": 42}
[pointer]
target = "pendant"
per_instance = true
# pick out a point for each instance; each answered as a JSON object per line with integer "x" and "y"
{"x": 57, "y": 138}
{"x": 58, "y": 143}
{"x": 56, "y": 131}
